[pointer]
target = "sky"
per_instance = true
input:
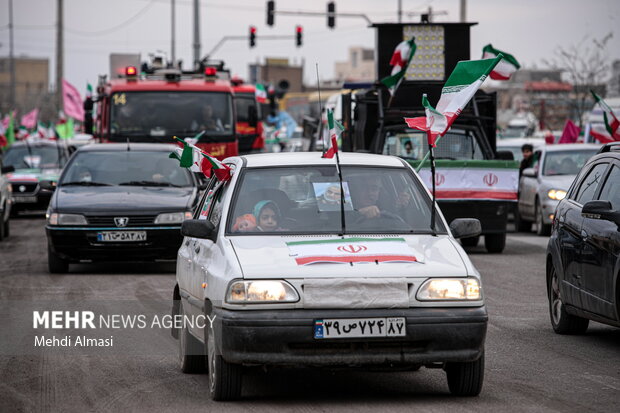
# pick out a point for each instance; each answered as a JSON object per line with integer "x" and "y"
{"x": 531, "y": 30}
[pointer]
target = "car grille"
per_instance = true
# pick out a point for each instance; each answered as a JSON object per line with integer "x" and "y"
{"x": 28, "y": 188}
{"x": 134, "y": 221}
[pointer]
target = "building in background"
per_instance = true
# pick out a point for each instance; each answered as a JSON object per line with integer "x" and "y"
{"x": 359, "y": 68}
{"x": 275, "y": 70}
{"x": 31, "y": 87}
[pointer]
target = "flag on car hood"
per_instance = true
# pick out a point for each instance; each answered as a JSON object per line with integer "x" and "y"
{"x": 460, "y": 87}
{"x": 400, "y": 62}
{"x": 505, "y": 68}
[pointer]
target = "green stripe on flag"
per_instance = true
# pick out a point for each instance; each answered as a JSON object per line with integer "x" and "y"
{"x": 340, "y": 241}
{"x": 507, "y": 56}
{"x": 469, "y": 71}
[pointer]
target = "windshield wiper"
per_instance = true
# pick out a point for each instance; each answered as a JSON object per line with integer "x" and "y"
{"x": 85, "y": 183}
{"x": 147, "y": 183}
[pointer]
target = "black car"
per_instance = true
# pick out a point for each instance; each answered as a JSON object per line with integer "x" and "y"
{"x": 33, "y": 162}
{"x": 583, "y": 255}
{"x": 119, "y": 202}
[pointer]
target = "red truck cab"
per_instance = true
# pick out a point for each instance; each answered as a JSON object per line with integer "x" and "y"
{"x": 250, "y": 131}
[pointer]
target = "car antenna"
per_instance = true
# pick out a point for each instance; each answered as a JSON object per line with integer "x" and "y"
{"x": 318, "y": 87}
{"x": 128, "y": 147}
{"x": 432, "y": 159}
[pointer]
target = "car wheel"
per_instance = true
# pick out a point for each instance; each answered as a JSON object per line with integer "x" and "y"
{"x": 561, "y": 321}
{"x": 495, "y": 243}
{"x": 465, "y": 379}
{"x": 191, "y": 351}
{"x": 521, "y": 224}
{"x": 55, "y": 264}
{"x": 541, "y": 227}
{"x": 225, "y": 378}
{"x": 470, "y": 241}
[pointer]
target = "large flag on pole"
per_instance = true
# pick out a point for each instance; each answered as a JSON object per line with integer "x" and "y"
{"x": 460, "y": 87}
{"x": 335, "y": 129}
{"x": 29, "y": 120}
{"x": 505, "y": 68}
{"x": 72, "y": 101}
{"x": 611, "y": 121}
{"x": 401, "y": 58}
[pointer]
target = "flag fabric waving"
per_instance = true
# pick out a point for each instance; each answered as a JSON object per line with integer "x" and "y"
{"x": 570, "y": 134}
{"x": 335, "y": 129}
{"x": 460, "y": 87}
{"x": 10, "y": 131}
{"x": 196, "y": 160}
{"x": 611, "y": 121}
{"x": 261, "y": 93}
{"x": 29, "y": 120}
{"x": 72, "y": 101}
{"x": 505, "y": 68}
{"x": 400, "y": 62}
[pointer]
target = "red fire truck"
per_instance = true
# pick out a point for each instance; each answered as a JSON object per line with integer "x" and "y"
{"x": 250, "y": 131}
{"x": 153, "y": 104}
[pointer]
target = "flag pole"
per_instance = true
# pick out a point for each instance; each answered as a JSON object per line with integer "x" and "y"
{"x": 427, "y": 155}
{"x": 342, "y": 197}
{"x": 433, "y": 208}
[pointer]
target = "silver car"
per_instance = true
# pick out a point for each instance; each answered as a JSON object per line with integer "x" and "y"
{"x": 544, "y": 185}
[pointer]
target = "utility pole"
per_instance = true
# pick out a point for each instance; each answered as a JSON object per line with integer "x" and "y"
{"x": 463, "y": 11}
{"x": 172, "y": 29}
{"x": 59, "y": 54}
{"x": 196, "y": 32}
{"x": 11, "y": 59}
{"x": 400, "y": 11}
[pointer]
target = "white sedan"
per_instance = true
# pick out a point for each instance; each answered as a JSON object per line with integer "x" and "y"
{"x": 286, "y": 274}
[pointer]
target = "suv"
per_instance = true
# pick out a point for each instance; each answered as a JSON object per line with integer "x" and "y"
{"x": 285, "y": 273}
{"x": 583, "y": 255}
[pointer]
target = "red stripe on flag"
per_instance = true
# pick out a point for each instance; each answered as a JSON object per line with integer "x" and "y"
{"x": 496, "y": 76}
{"x": 367, "y": 258}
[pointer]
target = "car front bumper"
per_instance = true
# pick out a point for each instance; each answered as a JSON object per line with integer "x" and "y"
{"x": 548, "y": 209}
{"x": 80, "y": 244}
{"x": 286, "y": 337}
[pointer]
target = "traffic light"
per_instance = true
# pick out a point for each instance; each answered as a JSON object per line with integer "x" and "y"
{"x": 331, "y": 14}
{"x": 299, "y": 32}
{"x": 252, "y": 36}
{"x": 271, "y": 8}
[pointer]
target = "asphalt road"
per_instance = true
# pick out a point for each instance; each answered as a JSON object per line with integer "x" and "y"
{"x": 528, "y": 367}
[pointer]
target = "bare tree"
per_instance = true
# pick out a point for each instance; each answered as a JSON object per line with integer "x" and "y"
{"x": 587, "y": 65}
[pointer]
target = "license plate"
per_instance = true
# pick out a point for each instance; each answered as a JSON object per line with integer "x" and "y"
{"x": 121, "y": 236}
{"x": 360, "y": 327}
{"x": 24, "y": 199}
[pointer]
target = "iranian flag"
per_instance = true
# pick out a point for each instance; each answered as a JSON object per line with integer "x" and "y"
{"x": 460, "y": 87}
{"x": 611, "y": 121}
{"x": 261, "y": 93}
{"x": 335, "y": 129}
{"x": 192, "y": 157}
{"x": 505, "y": 68}
{"x": 350, "y": 250}
{"x": 400, "y": 62}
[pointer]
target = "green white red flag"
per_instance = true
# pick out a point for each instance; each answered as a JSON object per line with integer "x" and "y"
{"x": 261, "y": 93}
{"x": 401, "y": 58}
{"x": 192, "y": 157}
{"x": 505, "y": 68}
{"x": 460, "y": 87}
{"x": 335, "y": 129}
{"x": 611, "y": 121}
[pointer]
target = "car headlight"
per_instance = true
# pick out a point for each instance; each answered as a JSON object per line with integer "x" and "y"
{"x": 173, "y": 217}
{"x": 261, "y": 291}
{"x": 65, "y": 219}
{"x": 449, "y": 289}
{"x": 557, "y": 194}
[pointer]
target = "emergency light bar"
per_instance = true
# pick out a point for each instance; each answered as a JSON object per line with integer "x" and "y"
{"x": 131, "y": 71}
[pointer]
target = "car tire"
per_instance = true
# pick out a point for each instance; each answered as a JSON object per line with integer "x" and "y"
{"x": 561, "y": 321}
{"x": 192, "y": 358}
{"x": 470, "y": 241}
{"x": 541, "y": 228}
{"x": 465, "y": 378}
{"x": 521, "y": 224}
{"x": 495, "y": 243}
{"x": 225, "y": 379}
{"x": 55, "y": 264}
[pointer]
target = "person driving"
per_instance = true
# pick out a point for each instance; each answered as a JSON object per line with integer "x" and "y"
{"x": 368, "y": 196}
{"x": 209, "y": 121}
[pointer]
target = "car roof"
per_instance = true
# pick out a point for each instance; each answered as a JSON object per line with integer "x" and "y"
{"x": 122, "y": 147}
{"x": 314, "y": 158}
{"x": 33, "y": 144}
{"x": 571, "y": 147}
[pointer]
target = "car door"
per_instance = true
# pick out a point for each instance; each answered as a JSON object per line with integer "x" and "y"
{"x": 528, "y": 186}
{"x": 600, "y": 253}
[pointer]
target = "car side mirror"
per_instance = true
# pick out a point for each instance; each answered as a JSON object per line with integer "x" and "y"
{"x": 531, "y": 172}
{"x": 48, "y": 185}
{"x": 600, "y": 210}
{"x": 505, "y": 155}
{"x": 8, "y": 169}
{"x": 199, "y": 228}
{"x": 465, "y": 228}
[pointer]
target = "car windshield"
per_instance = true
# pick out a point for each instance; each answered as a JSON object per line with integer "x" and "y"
{"x": 170, "y": 113}
{"x": 34, "y": 157}
{"x": 412, "y": 144}
{"x": 566, "y": 162}
{"x": 131, "y": 168}
{"x": 306, "y": 200}
{"x": 243, "y": 103}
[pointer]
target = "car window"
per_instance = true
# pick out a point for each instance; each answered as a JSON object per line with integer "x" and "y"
{"x": 202, "y": 210}
{"x": 217, "y": 202}
{"x": 308, "y": 200}
{"x": 35, "y": 157}
{"x": 566, "y": 162}
{"x": 410, "y": 144}
{"x": 590, "y": 183}
{"x": 611, "y": 188}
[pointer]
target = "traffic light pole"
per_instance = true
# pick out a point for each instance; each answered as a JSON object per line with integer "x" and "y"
{"x": 227, "y": 38}
{"x": 322, "y": 14}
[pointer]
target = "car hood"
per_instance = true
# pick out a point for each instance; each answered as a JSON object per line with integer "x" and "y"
{"x": 557, "y": 182}
{"x": 21, "y": 175}
{"x": 269, "y": 257}
{"x": 128, "y": 199}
